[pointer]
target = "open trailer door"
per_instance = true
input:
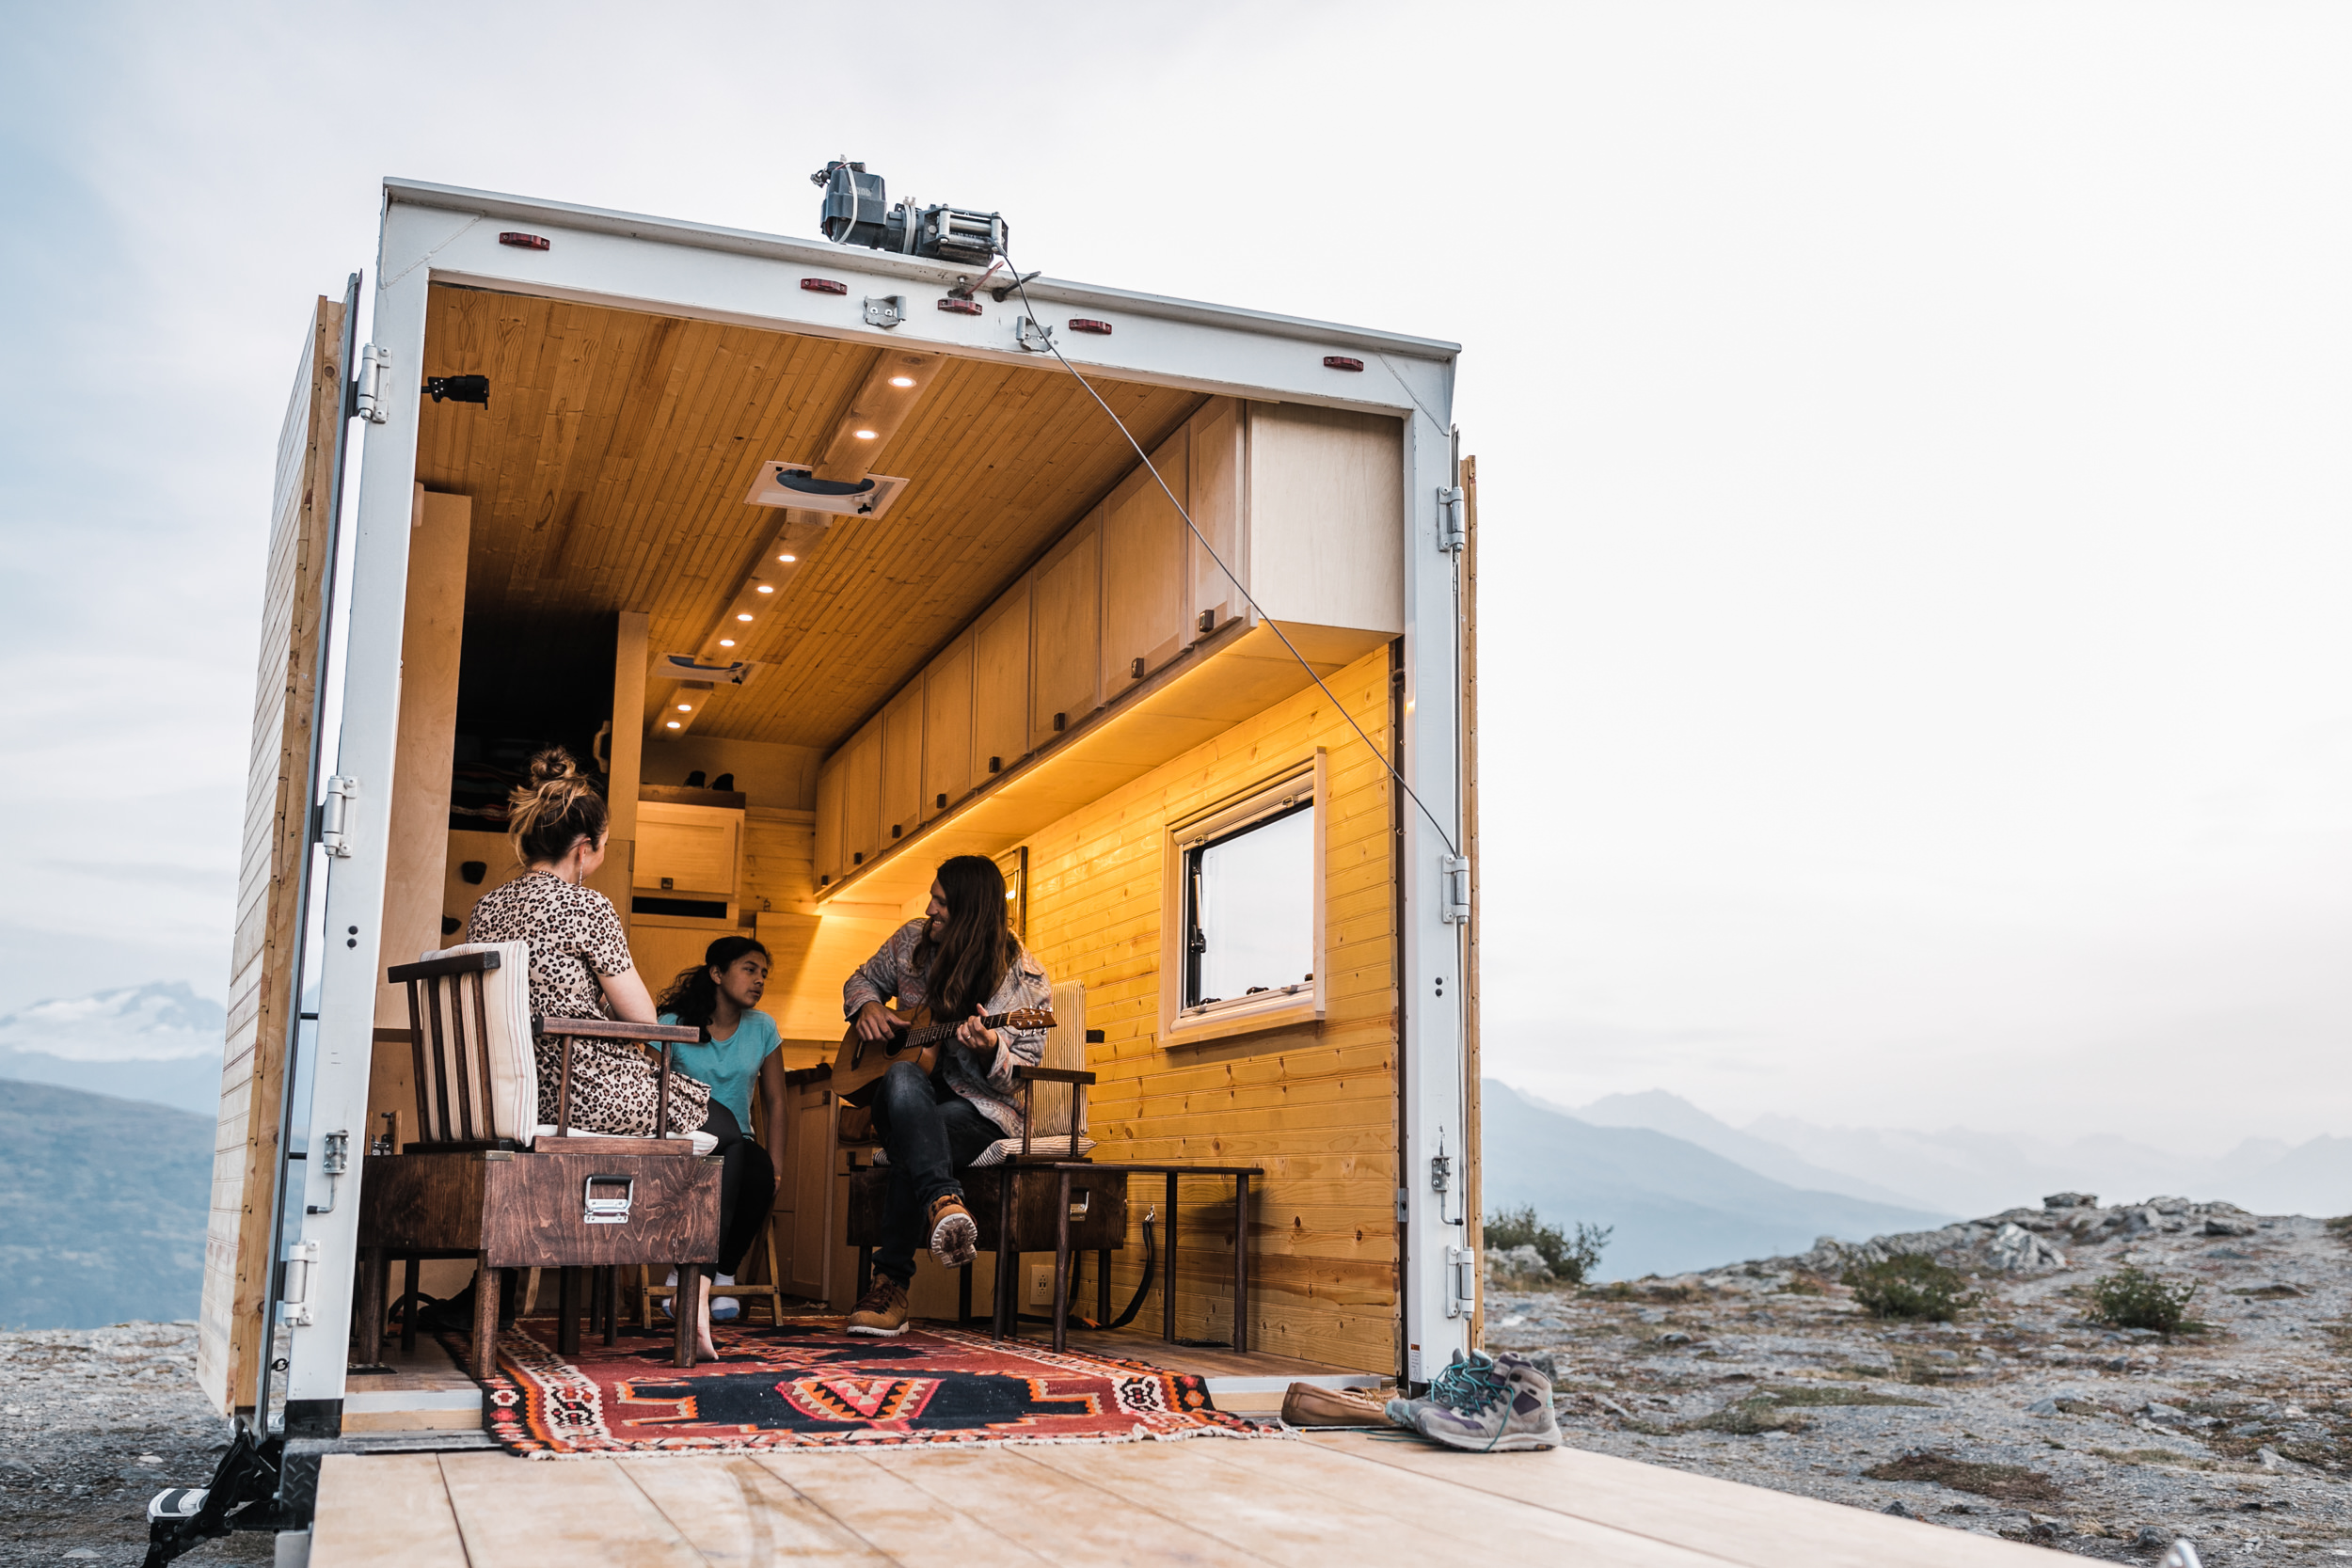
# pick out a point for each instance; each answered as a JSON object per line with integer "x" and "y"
{"x": 274, "y": 862}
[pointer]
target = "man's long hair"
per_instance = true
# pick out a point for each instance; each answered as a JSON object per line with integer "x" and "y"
{"x": 972, "y": 957}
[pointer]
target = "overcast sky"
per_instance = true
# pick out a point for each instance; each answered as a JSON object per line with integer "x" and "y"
{"x": 1912, "y": 436}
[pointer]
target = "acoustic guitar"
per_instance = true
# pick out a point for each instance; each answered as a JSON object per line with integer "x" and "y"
{"x": 862, "y": 1062}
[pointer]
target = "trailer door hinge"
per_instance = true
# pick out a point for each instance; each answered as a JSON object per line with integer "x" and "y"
{"x": 1036, "y": 336}
{"x": 1462, "y": 1280}
{"x": 366, "y": 388}
{"x": 886, "y": 310}
{"x": 1453, "y": 530}
{"x": 293, "y": 1297}
{"x": 341, "y": 792}
{"x": 1455, "y": 907}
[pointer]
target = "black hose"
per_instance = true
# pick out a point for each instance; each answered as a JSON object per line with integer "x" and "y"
{"x": 1143, "y": 1287}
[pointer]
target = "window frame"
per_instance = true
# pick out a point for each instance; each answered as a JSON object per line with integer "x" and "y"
{"x": 1305, "y": 779}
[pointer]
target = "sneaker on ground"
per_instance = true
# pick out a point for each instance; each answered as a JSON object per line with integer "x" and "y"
{"x": 1309, "y": 1404}
{"x": 881, "y": 1311}
{"x": 1509, "y": 1407}
{"x": 724, "y": 1310}
{"x": 669, "y": 1309}
{"x": 955, "y": 1237}
{"x": 1452, "y": 1382}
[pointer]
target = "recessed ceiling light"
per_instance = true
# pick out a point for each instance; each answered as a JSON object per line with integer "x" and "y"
{"x": 787, "y": 560}
{"x": 902, "y": 381}
{"x": 674, "y": 723}
{"x": 743, "y": 617}
{"x": 862, "y": 434}
{"x": 726, "y": 641}
{"x": 766, "y": 588}
{"x": 686, "y": 708}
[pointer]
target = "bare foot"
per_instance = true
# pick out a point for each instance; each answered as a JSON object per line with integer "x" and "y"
{"x": 704, "y": 1349}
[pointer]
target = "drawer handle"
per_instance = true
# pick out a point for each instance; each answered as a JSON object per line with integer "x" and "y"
{"x": 607, "y": 1210}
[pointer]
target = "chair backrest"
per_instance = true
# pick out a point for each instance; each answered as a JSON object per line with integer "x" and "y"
{"x": 1065, "y": 1047}
{"x": 477, "y": 1075}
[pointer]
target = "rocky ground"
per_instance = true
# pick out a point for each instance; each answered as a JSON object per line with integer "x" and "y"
{"x": 93, "y": 1422}
{"x": 2024, "y": 1417}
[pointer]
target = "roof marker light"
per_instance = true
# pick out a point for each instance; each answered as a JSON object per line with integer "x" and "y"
{"x": 823, "y": 286}
{"x": 1087, "y": 324}
{"x": 522, "y": 241}
{"x": 962, "y": 306}
{"x": 1340, "y": 362}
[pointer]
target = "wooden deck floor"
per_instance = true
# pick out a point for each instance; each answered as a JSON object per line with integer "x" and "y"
{"x": 1353, "y": 1498}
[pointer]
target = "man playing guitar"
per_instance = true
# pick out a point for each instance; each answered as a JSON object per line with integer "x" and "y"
{"x": 960, "y": 960}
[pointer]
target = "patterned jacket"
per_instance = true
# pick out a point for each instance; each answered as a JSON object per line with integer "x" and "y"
{"x": 893, "y": 972}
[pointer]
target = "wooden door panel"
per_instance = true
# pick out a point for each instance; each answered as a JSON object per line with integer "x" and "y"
{"x": 1216, "y": 503}
{"x": 1000, "y": 686}
{"x": 947, "y": 730}
{"x": 861, "y": 796}
{"x": 902, "y": 763}
{"x": 1143, "y": 569}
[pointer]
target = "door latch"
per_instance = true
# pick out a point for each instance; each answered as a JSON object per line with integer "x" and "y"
{"x": 341, "y": 792}
{"x": 334, "y": 1159}
{"x": 366, "y": 388}
{"x": 607, "y": 1210}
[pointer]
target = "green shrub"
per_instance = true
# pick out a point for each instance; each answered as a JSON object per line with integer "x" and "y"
{"x": 1570, "y": 1256}
{"x": 1910, "y": 1285}
{"x": 2134, "y": 1298}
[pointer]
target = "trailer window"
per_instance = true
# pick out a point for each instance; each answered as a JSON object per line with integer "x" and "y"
{"x": 1249, "y": 913}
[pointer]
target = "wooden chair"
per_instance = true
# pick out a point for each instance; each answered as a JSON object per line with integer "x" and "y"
{"x": 1011, "y": 1193}
{"x": 485, "y": 1179}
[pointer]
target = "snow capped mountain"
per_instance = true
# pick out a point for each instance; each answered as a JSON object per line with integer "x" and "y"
{"x": 164, "y": 1021}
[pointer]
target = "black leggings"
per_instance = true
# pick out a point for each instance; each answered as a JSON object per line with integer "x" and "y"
{"x": 747, "y": 1187}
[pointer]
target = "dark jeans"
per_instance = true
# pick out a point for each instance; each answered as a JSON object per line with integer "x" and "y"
{"x": 747, "y": 1187}
{"x": 930, "y": 1132}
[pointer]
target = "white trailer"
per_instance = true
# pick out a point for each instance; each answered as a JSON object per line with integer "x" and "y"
{"x": 1021, "y": 650}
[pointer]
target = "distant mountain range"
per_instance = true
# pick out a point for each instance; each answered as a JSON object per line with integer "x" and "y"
{"x": 1675, "y": 1204}
{"x": 159, "y": 1042}
{"x": 104, "y": 1204}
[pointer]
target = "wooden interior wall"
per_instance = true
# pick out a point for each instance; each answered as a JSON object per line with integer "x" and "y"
{"x": 275, "y": 838}
{"x": 1315, "y": 1105}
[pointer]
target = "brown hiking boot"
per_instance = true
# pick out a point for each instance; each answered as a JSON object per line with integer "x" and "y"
{"x": 954, "y": 1239}
{"x": 881, "y": 1311}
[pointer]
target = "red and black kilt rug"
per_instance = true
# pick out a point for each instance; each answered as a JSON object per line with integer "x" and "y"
{"x": 808, "y": 1385}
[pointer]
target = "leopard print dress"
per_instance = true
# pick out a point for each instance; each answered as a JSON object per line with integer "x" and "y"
{"x": 575, "y": 935}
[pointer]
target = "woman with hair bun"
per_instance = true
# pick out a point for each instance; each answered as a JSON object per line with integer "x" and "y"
{"x": 720, "y": 997}
{"x": 580, "y": 967}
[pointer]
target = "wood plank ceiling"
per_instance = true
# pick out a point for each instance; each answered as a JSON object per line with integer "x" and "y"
{"x": 609, "y": 471}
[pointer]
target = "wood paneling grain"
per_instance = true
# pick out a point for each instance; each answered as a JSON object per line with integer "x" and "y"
{"x": 1065, "y": 679}
{"x": 947, "y": 729}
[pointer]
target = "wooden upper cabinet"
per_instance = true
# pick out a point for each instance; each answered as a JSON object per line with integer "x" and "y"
{"x": 1000, "y": 685}
{"x": 1326, "y": 507}
{"x": 862, "y": 825}
{"x": 947, "y": 730}
{"x": 1218, "y": 434}
{"x": 1143, "y": 569}
{"x": 902, "y": 763}
{"x": 832, "y": 860}
{"x": 1066, "y": 680}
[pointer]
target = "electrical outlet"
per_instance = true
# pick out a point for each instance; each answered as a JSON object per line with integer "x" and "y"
{"x": 1042, "y": 1285}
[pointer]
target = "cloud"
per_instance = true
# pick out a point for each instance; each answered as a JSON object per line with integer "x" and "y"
{"x": 161, "y": 1021}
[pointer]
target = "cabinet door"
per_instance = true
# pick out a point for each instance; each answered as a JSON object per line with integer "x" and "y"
{"x": 688, "y": 851}
{"x": 902, "y": 763}
{"x": 1065, "y": 684}
{"x": 1216, "y": 503}
{"x": 947, "y": 730}
{"x": 861, "y": 796}
{"x": 1000, "y": 686}
{"x": 832, "y": 860}
{"x": 1143, "y": 570}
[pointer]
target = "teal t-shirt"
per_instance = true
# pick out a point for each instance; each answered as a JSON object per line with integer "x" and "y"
{"x": 731, "y": 1064}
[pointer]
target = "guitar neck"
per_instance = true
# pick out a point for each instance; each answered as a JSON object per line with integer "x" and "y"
{"x": 930, "y": 1034}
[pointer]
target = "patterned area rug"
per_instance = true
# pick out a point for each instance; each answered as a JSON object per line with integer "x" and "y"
{"x": 806, "y": 1383}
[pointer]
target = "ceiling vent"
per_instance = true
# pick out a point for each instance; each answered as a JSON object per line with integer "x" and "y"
{"x": 795, "y": 485}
